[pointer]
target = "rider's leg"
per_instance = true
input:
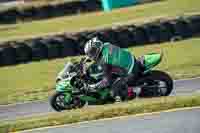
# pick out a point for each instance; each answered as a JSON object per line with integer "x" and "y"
{"x": 132, "y": 79}
{"x": 120, "y": 89}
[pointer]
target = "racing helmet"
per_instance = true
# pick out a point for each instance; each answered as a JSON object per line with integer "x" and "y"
{"x": 93, "y": 48}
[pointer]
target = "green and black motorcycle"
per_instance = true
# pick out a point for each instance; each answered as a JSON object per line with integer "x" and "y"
{"x": 73, "y": 81}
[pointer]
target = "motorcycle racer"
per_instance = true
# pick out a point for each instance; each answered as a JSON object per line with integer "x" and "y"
{"x": 114, "y": 60}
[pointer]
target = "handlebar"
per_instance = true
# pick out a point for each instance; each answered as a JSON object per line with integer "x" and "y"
{"x": 82, "y": 64}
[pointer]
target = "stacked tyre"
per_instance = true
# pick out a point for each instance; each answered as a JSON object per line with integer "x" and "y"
{"x": 38, "y": 49}
{"x": 70, "y": 47}
{"x": 181, "y": 28}
{"x": 23, "y": 52}
{"x": 125, "y": 37}
{"x": 139, "y": 35}
{"x": 194, "y": 22}
{"x": 15, "y": 14}
{"x": 7, "y": 55}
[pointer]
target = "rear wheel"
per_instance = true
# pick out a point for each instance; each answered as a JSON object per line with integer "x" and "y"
{"x": 156, "y": 83}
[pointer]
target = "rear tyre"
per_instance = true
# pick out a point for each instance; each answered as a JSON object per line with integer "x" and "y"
{"x": 162, "y": 81}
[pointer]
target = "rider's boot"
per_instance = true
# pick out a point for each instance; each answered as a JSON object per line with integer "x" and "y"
{"x": 118, "y": 99}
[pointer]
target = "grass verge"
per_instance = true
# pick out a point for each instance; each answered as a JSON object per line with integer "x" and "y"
{"x": 167, "y": 8}
{"x": 100, "y": 112}
{"x": 34, "y": 81}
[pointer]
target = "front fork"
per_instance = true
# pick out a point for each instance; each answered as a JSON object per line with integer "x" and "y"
{"x": 68, "y": 97}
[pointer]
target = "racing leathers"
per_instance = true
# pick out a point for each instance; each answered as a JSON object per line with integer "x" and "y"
{"x": 116, "y": 60}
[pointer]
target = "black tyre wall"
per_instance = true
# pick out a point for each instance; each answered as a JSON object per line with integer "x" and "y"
{"x": 194, "y": 22}
{"x": 7, "y": 55}
{"x": 46, "y": 11}
{"x": 80, "y": 39}
{"x": 181, "y": 28}
{"x": 9, "y": 16}
{"x": 166, "y": 33}
{"x": 140, "y": 36}
{"x": 153, "y": 32}
{"x": 169, "y": 28}
{"x": 103, "y": 36}
{"x": 38, "y": 49}
{"x": 69, "y": 47}
{"x": 1, "y": 57}
{"x": 23, "y": 52}
{"x": 29, "y": 13}
{"x": 53, "y": 47}
{"x": 125, "y": 38}
{"x": 92, "y": 5}
{"x": 72, "y": 44}
{"x": 131, "y": 35}
{"x": 110, "y": 35}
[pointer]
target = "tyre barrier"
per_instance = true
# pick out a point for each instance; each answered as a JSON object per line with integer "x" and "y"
{"x": 166, "y": 31}
{"x": 38, "y": 49}
{"x": 125, "y": 37}
{"x": 7, "y": 55}
{"x": 23, "y": 52}
{"x": 194, "y": 22}
{"x": 181, "y": 28}
{"x": 69, "y": 47}
{"x": 153, "y": 32}
{"x": 111, "y": 36}
{"x": 9, "y": 16}
{"x": 53, "y": 47}
{"x": 72, "y": 44}
{"x": 140, "y": 36}
{"x": 79, "y": 41}
{"x": 12, "y": 15}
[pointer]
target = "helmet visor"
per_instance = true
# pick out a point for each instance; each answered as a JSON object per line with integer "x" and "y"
{"x": 93, "y": 52}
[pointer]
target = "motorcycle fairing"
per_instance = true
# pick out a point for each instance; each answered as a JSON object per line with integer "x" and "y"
{"x": 64, "y": 86}
{"x": 151, "y": 60}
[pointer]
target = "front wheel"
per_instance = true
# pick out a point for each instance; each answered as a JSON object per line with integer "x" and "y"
{"x": 58, "y": 102}
{"x": 156, "y": 83}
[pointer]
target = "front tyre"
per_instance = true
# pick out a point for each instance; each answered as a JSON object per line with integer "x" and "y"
{"x": 57, "y": 102}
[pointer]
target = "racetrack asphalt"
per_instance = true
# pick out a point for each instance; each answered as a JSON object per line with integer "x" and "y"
{"x": 185, "y": 121}
{"x": 12, "y": 112}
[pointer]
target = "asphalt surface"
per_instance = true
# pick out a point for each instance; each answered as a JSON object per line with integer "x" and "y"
{"x": 187, "y": 121}
{"x": 11, "y": 112}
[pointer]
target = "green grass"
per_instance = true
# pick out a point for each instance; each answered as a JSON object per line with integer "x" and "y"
{"x": 34, "y": 81}
{"x": 100, "y": 112}
{"x": 169, "y": 8}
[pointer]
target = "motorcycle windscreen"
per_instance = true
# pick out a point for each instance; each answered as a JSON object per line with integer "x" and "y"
{"x": 64, "y": 72}
{"x": 151, "y": 60}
